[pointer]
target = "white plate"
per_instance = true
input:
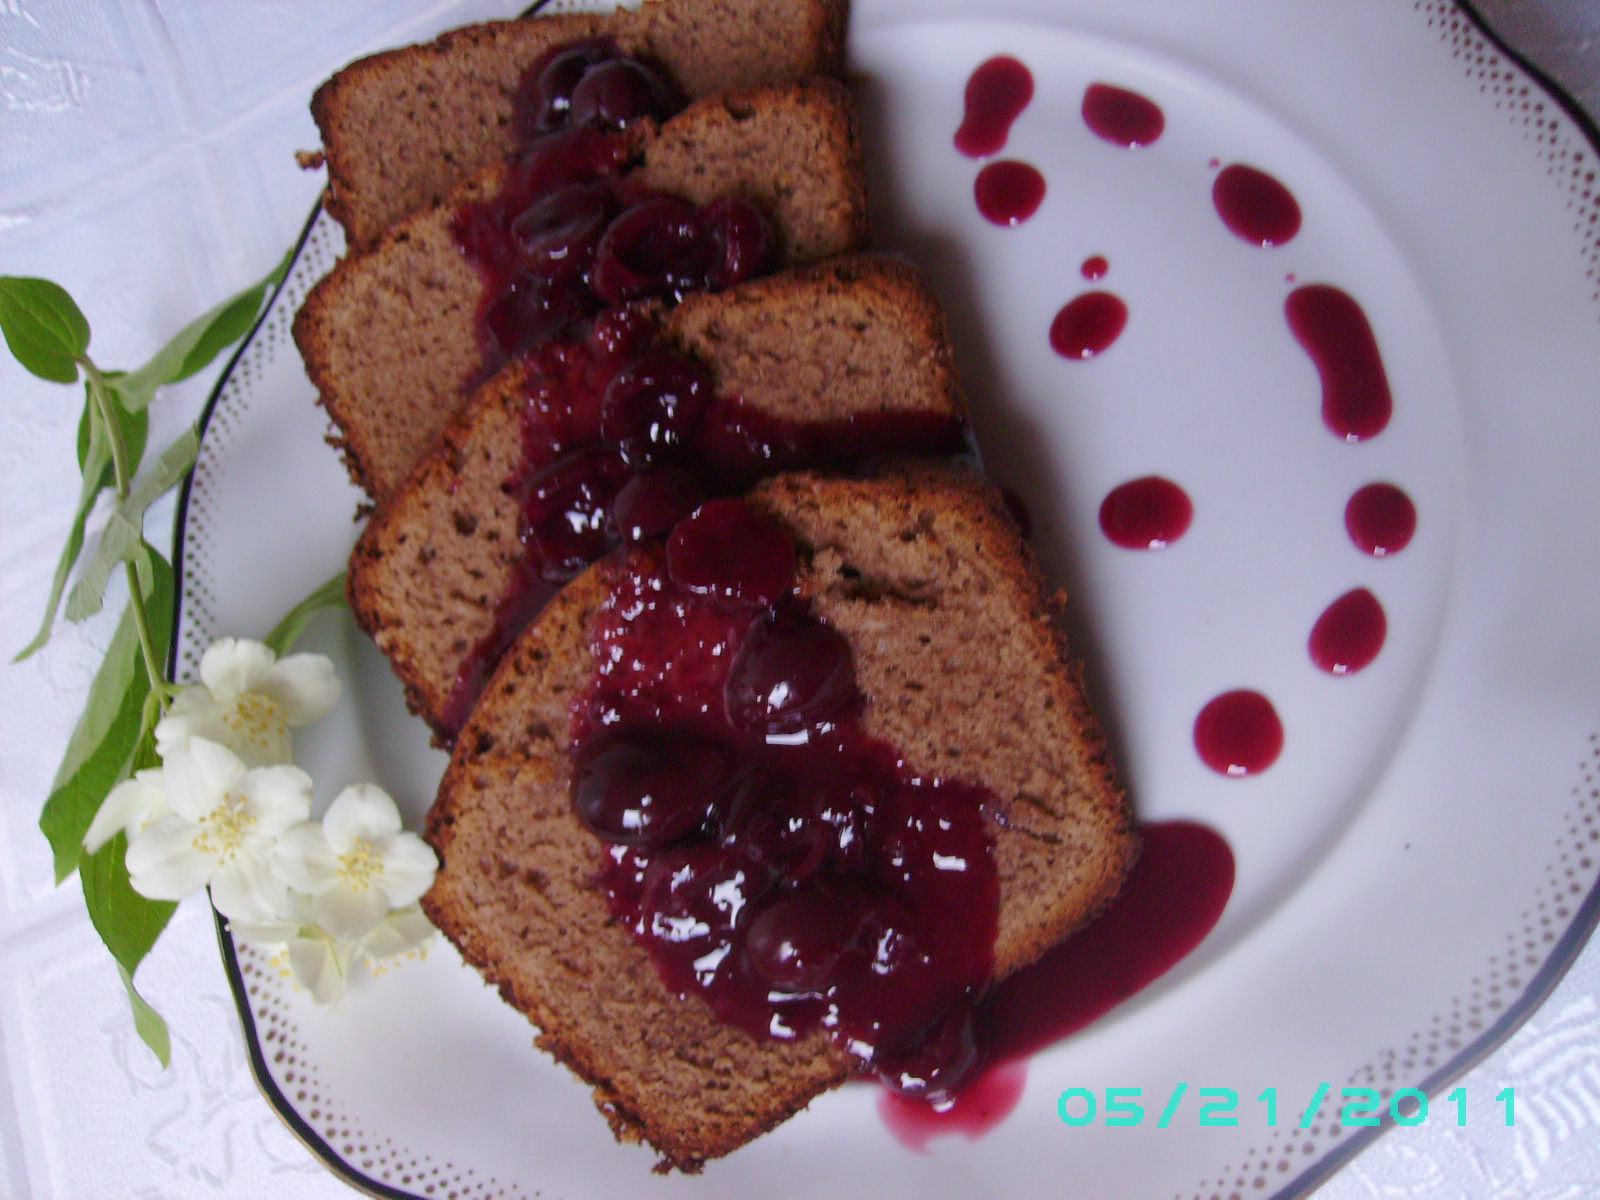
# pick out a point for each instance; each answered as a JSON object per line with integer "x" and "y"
{"x": 1417, "y": 868}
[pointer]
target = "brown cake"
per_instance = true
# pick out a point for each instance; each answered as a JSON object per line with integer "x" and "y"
{"x": 389, "y": 336}
{"x": 401, "y": 129}
{"x": 962, "y": 669}
{"x": 849, "y": 339}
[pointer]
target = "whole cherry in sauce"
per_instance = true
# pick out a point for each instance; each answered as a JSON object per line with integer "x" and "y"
{"x": 798, "y": 942}
{"x": 543, "y": 98}
{"x": 620, "y": 92}
{"x": 649, "y": 505}
{"x": 556, "y": 236}
{"x": 732, "y": 555}
{"x": 652, "y": 406}
{"x": 650, "y": 790}
{"x": 566, "y": 513}
{"x": 792, "y": 673}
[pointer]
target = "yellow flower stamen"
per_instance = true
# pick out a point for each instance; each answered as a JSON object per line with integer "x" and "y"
{"x": 223, "y": 830}
{"x": 258, "y": 718}
{"x": 361, "y": 866}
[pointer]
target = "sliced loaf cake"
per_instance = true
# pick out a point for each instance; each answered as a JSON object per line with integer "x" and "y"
{"x": 389, "y": 337}
{"x": 960, "y": 666}
{"x": 836, "y": 346}
{"x": 401, "y": 129}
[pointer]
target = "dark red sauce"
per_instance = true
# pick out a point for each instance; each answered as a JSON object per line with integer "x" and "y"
{"x": 1255, "y": 206}
{"x": 978, "y": 1107}
{"x": 1094, "y": 268}
{"x": 1173, "y": 897}
{"x": 997, "y": 92}
{"x": 1087, "y": 324}
{"x": 1380, "y": 519}
{"x": 1122, "y": 117}
{"x": 1333, "y": 330}
{"x": 566, "y": 236}
{"x": 772, "y": 857}
{"x": 622, "y": 440}
{"x": 1008, "y": 192}
{"x": 1349, "y": 633}
{"x": 1146, "y": 514}
{"x": 1238, "y": 733}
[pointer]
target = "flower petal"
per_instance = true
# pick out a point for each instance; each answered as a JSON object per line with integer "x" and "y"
{"x": 363, "y": 810}
{"x": 304, "y": 860}
{"x": 193, "y": 714}
{"x": 163, "y": 863}
{"x": 316, "y": 967}
{"x": 409, "y": 865}
{"x": 231, "y": 667}
{"x": 399, "y": 933}
{"x": 304, "y": 685}
{"x": 132, "y": 804}
{"x": 245, "y": 889}
{"x": 200, "y": 776}
{"x": 264, "y": 933}
{"x": 278, "y": 797}
{"x": 348, "y": 914}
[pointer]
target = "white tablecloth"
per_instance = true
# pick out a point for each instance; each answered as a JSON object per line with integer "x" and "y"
{"x": 146, "y": 163}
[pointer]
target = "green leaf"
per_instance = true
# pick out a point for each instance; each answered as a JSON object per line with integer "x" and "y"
{"x": 147, "y": 1021}
{"x": 198, "y": 342}
{"x": 124, "y": 532}
{"x": 127, "y": 922}
{"x": 45, "y": 330}
{"x": 95, "y": 461}
{"x": 135, "y": 432}
{"x": 108, "y": 735}
{"x": 287, "y": 631}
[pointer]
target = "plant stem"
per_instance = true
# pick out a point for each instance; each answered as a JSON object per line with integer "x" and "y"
{"x": 123, "y": 473}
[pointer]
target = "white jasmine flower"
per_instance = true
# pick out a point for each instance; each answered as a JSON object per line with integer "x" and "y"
{"x": 132, "y": 804}
{"x": 248, "y": 699}
{"x": 225, "y": 819}
{"x": 322, "y": 964}
{"x": 357, "y": 864}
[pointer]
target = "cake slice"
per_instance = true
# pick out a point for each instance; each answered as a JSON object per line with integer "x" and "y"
{"x": 960, "y": 668}
{"x": 391, "y": 338}
{"x": 402, "y": 128}
{"x": 849, "y": 357}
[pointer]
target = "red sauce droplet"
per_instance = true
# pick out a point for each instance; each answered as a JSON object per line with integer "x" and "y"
{"x": 1094, "y": 267}
{"x": 1087, "y": 324}
{"x": 1122, "y": 117}
{"x": 977, "y": 1108}
{"x": 1008, "y": 192}
{"x": 1172, "y": 898}
{"x": 1380, "y": 519}
{"x": 1146, "y": 514}
{"x": 1333, "y": 330}
{"x": 1255, "y": 206}
{"x": 1349, "y": 633}
{"x": 996, "y": 93}
{"x": 1238, "y": 733}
